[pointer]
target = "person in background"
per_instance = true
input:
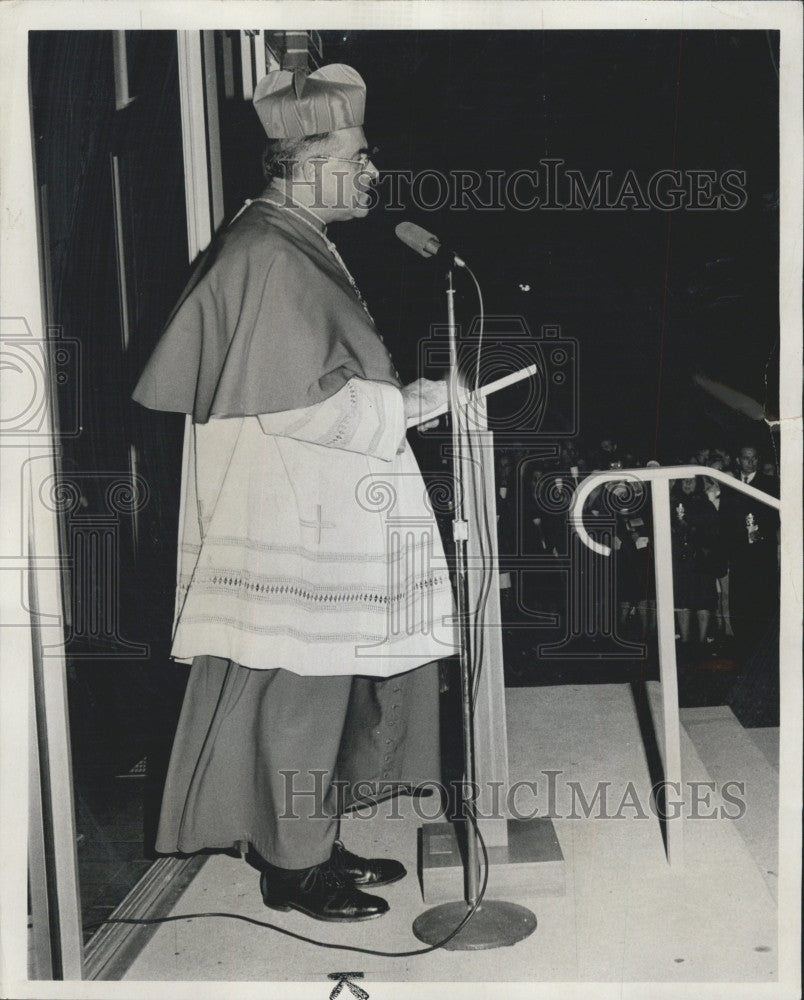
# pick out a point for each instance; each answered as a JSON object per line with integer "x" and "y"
{"x": 542, "y": 537}
{"x": 692, "y": 537}
{"x": 636, "y": 579}
{"x": 748, "y": 471}
{"x": 752, "y": 539}
{"x": 719, "y": 559}
{"x": 505, "y": 478}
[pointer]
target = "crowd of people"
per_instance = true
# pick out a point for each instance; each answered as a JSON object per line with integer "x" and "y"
{"x": 724, "y": 550}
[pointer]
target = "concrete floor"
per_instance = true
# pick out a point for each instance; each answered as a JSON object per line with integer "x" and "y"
{"x": 626, "y": 915}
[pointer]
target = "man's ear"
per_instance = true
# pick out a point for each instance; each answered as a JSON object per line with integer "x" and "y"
{"x": 309, "y": 173}
{"x": 305, "y": 170}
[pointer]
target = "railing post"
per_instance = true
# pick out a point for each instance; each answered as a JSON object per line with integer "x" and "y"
{"x": 668, "y": 676}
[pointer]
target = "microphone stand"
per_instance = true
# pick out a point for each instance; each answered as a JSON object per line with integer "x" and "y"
{"x": 490, "y": 923}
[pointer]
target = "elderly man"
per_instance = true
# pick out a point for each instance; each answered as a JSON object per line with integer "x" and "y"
{"x": 313, "y": 598}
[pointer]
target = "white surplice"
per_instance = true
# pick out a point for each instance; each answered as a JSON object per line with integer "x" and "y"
{"x": 307, "y": 541}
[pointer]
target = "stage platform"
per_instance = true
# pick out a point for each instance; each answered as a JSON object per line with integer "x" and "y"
{"x": 624, "y": 914}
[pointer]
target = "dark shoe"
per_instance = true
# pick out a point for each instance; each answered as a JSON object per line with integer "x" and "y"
{"x": 321, "y": 893}
{"x": 365, "y": 871}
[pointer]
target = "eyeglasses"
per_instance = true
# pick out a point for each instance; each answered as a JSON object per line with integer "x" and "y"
{"x": 362, "y": 161}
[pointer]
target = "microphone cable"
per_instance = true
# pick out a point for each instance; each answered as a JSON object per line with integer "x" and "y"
{"x": 471, "y": 274}
{"x": 151, "y": 921}
{"x": 481, "y": 516}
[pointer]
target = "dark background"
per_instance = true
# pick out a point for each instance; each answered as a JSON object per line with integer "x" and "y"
{"x": 650, "y": 296}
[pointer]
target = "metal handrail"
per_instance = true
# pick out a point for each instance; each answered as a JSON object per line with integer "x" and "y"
{"x": 663, "y": 570}
{"x": 663, "y": 473}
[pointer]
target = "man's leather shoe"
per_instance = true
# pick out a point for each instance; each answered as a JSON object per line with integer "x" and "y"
{"x": 321, "y": 893}
{"x": 365, "y": 871}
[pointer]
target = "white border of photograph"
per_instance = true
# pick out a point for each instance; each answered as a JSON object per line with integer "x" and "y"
{"x": 20, "y": 295}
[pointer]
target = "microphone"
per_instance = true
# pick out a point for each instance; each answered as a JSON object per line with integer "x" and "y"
{"x": 424, "y": 243}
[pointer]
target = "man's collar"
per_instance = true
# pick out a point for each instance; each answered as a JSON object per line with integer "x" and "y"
{"x": 281, "y": 196}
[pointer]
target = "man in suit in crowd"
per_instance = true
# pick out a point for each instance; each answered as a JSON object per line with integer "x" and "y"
{"x": 752, "y": 529}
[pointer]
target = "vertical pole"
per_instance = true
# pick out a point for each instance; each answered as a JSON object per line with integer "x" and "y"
{"x": 667, "y": 662}
{"x": 120, "y": 252}
{"x": 259, "y": 56}
{"x": 194, "y": 142}
{"x": 55, "y": 756}
{"x": 228, "y": 65}
{"x": 213, "y": 126}
{"x": 41, "y": 959}
{"x": 247, "y": 64}
{"x": 122, "y": 98}
{"x": 460, "y": 535}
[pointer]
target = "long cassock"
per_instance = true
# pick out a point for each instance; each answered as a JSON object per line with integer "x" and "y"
{"x": 312, "y": 585}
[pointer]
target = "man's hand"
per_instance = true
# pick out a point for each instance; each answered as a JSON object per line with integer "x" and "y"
{"x": 422, "y": 397}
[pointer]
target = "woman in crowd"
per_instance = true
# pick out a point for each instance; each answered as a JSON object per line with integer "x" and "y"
{"x": 693, "y": 540}
{"x": 718, "y": 559}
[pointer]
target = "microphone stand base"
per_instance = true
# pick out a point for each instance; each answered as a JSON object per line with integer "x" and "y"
{"x": 495, "y": 924}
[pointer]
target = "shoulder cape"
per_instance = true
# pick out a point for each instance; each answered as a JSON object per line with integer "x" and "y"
{"x": 268, "y": 322}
